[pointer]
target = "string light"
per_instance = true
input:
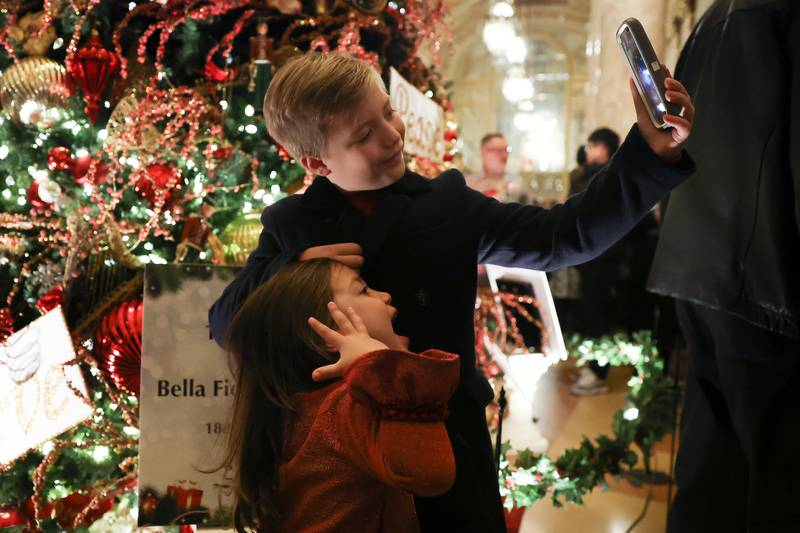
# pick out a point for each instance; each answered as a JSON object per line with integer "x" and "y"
{"x": 632, "y": 413}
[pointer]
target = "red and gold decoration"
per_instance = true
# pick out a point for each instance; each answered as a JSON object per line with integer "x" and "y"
{"x": 119, "y": 345}
{"x": 182, "y": 153}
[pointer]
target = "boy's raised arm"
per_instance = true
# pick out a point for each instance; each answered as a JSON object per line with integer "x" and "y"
{"x": 617, "y": 198}
{"x": 649, "y": 164}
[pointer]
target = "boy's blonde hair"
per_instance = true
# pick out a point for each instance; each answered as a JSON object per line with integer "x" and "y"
{"x": 308, "y": 93}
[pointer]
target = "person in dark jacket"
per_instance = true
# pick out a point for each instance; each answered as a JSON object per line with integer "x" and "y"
{"x": 421, "y": 239}
{"x": 599, "y": 277}
{"x": 729, "y": 252}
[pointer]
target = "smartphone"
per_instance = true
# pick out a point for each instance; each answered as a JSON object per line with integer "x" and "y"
{"x": 647, "y": 72}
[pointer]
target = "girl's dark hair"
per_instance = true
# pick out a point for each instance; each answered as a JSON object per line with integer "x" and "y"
{"x": 273, "y": 352}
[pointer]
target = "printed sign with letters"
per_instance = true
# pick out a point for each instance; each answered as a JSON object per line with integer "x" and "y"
{"x": 424, "y": 119}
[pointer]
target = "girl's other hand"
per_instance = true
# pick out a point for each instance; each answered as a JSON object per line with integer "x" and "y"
{"x": 352, "y": 340}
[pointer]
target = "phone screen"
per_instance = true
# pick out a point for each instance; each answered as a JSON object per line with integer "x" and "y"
{"x": 652, "y": 96}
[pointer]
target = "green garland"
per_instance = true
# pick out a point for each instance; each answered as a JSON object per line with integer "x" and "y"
{"x": 647, "y": 417}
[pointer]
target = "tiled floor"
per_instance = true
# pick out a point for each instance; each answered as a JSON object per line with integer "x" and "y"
{"x": 563, "y": 419}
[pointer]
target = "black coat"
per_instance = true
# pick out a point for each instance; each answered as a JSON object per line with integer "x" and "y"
{"x": 422, "y": 245}
{"x": 731, "y": 235}
{"x": 425, "y": 238}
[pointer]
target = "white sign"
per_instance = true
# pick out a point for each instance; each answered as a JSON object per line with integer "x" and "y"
{"x": 552, "y": 340}
{"x": 185, "y": 399}
{"x": 525, "y": 370}
{"x": 424, "y": 119}
{"x": 36, "y": 401}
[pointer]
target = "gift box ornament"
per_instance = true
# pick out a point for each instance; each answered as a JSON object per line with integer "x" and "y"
{"x": 186, "y": 495}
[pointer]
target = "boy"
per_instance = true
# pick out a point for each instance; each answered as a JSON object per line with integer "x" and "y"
{"x": 420, "y": 240}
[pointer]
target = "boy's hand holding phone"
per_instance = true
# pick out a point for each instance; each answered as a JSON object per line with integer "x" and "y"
{"x": 352, "y": 340}
{"x": 664, "y": 110}
{"x": 666, "y": 143}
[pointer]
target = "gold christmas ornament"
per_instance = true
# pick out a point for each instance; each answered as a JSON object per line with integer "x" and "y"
{"x": 120, "y": 120}
{"x": 25, "y": 31}
{"x": 240, "y": 238}
{"x": 35, "y": 91}
{"x": 118, "y": 248}
{"x": 370, "y": 7}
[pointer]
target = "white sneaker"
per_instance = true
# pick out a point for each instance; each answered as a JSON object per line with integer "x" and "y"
{"x": 588, "y": 384}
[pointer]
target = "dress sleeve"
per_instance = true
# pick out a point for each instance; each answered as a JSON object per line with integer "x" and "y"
{"x": 394, "y": 418}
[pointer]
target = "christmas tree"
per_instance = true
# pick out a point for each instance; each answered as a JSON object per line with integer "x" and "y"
{"x": 132, "y": 133}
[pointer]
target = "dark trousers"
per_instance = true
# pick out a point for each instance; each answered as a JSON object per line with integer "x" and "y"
{"x": 738, "y": 467}
{"x": 473, "y": 504}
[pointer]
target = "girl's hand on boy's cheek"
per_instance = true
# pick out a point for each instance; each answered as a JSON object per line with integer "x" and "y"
{"x": 667, "y": 144}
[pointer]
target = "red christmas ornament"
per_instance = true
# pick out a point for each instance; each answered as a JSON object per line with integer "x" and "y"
{"x": 59, "y": 158}
{"x": 33, "y": 195}
{"x": 119, "y": 345}
{"x": 448, "y": 157}
{"x": 92, "y": 67}
{"x": 6, "y": 324}
{"x": 148, "y": 505}
{"x": 450, "y": 135}
{"x": 161, "y": 179}
{"x": 213, "y": 73}
{"x": 223, "y": 153}
{"x": 80, "y": 170}
{"x": 25, "y": 514}
{"x": 10, "y": 516}
{"x": 68, "y": 508}
{"x": 51, "y": 299}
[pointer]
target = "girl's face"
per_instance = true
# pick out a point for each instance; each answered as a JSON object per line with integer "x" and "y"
{"x": 374, "y": 307}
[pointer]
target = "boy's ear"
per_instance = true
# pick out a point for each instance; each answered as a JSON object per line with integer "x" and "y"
{"x": 315, "y": 165}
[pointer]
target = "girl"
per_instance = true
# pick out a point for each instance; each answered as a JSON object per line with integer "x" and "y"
{"x": 311, "y": 454}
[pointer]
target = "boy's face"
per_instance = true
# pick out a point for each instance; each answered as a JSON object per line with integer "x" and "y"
{"x": 365, "y": 147}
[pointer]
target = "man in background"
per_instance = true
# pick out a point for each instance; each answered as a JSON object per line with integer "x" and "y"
{"x": 494, "y": 180}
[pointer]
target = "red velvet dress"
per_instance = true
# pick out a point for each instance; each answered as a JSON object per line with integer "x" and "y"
{"x": 359, "y": 448}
